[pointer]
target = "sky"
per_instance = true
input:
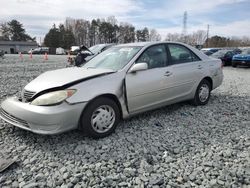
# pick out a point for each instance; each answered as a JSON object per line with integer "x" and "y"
{"x": 225, "y": 17}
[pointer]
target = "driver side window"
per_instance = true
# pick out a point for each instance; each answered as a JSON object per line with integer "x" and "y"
{"x": 155, "y": 56}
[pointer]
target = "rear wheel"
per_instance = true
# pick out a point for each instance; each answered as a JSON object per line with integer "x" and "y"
{"x": 100, "y": 118}
{"x": 202, "y": 94}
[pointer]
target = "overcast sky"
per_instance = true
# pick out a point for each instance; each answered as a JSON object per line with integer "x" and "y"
{"x": 225, "y": 17}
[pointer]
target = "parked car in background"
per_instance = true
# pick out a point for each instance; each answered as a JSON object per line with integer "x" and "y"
{"x": 209, "y": 51}
{"x": 242, "y": 59}
{"x": 40, "y": 50}
{"x": 60, "y": 51}
{"x": 120, "y": 82}
{"x": 30, "y": 51}
{"x": 225, "y": 56}
{"x": 84, "y": 54}
{"x": 79, "y": 56}
{"x": 1, "y": 53}
{"x": 74, "y": 50}
{"x": 237, "y": 51}
{"x": 100, "y": 48}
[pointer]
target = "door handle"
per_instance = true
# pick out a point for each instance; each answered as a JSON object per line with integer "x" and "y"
{"x": 200, "y": 67}
{"x": 168, "y": 73}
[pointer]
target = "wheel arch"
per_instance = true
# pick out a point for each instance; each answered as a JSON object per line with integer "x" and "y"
{"x": 209, "y": 79}
{"x": 114, "y": 98}
{"x": 106, "y": 95}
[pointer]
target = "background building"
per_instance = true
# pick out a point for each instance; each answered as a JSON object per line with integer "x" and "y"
{"x": 13, "y": 47}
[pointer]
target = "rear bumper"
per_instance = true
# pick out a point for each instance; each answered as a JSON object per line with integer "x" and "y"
{"x": 217, "y": 79}
{"x": 241, "y": 62}
{"x": 41, "y": 119}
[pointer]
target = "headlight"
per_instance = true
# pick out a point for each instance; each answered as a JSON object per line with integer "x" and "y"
{"x": 53, "y": 97}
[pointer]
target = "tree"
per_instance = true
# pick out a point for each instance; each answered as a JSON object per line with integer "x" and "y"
{"x": 217, "y": 41}
{"x": 93, "y": 32}
{"x": 14, "y": 31}
{"x": 126, "y": 33}
{"x": 107, "y": 30}
{"x": 52, "y": 38}
{"x": 69, "y": 39}
{"x": 66, "y": 37}
{"x": 196, "y": 38}
{"x": 173, "y": 37}
{"x": 142, "y": 35}
{"x": 17, "y": 32}
{"x": 154, "y": 35}
{"x": 200, "y": 37}
{"x": 5, "y": 32}
{"x": 59, "y": 37}
{"x": 145, "y": 34}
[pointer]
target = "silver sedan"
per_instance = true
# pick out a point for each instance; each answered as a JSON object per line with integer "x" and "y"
{"x": 122, "y": 81}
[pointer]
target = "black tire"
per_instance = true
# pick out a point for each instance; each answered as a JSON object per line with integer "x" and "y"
{"x": 91, "y": 111}
{"x": 234, "y": 65}
{"x": 224, "y": 63}
{"x": 197, "y": 99}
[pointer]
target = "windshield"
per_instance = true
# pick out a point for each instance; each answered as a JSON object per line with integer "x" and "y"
{"x": 114, "y": 58}
{"x": 246, "y": 51}
{"x": 220, "y": 53}
{"x": 96, "y": 49}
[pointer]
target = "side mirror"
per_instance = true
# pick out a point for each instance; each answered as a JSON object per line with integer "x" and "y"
{"x": 138, "y": 67}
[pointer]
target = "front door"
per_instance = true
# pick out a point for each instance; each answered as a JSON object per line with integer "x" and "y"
{"x": 148, "y": 87}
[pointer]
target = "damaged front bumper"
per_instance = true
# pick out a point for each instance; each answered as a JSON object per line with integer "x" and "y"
{"x": 41, "y": 119}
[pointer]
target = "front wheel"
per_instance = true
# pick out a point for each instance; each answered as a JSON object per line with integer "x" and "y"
{"x": 100, "y": 118}
{"x": 234, "y": 64}
{"x": 202, "y": 94}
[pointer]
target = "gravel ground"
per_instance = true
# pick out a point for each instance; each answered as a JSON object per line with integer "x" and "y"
{"x": 176, "y": 146}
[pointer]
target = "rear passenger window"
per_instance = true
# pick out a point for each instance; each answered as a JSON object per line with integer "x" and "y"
{"x": 180, "y": 54}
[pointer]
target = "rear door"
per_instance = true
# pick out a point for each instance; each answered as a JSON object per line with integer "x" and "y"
{"x": 187, "y": 69}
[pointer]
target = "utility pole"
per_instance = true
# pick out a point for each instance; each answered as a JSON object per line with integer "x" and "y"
{"x": 207, "y": 34}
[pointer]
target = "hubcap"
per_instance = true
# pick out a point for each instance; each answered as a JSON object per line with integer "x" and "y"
{"x": 103, "y": 118}
{"x": 204, "y": 92}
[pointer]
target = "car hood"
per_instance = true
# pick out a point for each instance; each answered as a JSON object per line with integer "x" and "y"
{"x": 241, "y": 56}
{"x": 217, "y": 56}
{"x": 64, "y": 78}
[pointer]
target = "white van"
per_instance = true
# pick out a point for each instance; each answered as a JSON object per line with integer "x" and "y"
{"x": 60, "y": 51}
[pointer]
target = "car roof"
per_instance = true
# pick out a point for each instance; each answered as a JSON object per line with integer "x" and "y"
{"x": 104, "y": 44}
{"x": 148, "y": 44}
{"x": 224, "y": 50}
{"x": 142, "y": 44}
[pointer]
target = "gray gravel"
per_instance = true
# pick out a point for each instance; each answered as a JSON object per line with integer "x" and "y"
{"x": 176, "y": 146}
